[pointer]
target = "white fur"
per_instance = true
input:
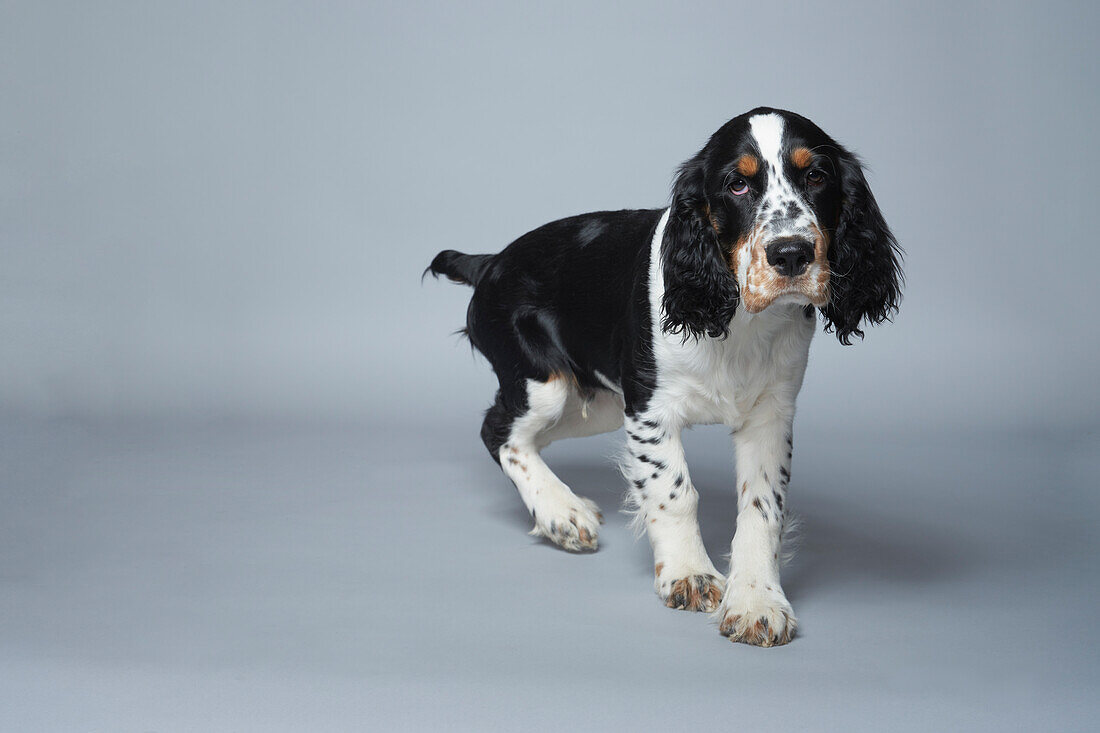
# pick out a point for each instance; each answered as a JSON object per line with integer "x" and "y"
{"x": 556, "y": 410}
{"x": 748, "y": 381}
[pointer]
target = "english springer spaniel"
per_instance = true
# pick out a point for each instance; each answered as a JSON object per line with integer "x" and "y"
{"x": 700, "y": 313}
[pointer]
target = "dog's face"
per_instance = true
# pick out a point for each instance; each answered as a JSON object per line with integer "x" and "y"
{"x": 770, "y": 211}
{"x": 773, "y": 193}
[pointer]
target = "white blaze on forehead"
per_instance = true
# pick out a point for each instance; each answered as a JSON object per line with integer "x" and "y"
{"x": 776, "y": 213}
{"x": 768, "y": 131}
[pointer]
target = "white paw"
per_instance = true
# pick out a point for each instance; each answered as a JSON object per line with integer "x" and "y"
{"x": 756, "y": 613}
{"x": 688, "y": 589}
{"x": 573, "y": 522}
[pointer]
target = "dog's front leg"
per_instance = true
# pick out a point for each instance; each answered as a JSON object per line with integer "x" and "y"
{"x": 665, "y": 504}
{"x": 754, "y": 609}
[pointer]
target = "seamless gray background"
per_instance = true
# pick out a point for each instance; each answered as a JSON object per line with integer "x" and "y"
{"x": 240, "y": 480}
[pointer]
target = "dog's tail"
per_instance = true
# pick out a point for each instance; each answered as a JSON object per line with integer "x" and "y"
{"x": 459, "y": 267}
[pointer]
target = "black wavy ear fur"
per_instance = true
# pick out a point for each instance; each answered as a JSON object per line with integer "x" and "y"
{"x": 701, "y": 293}
{"x": 864, "y": 258}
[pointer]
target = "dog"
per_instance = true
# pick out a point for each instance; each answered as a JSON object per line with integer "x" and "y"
{"x": 699, "y": 313}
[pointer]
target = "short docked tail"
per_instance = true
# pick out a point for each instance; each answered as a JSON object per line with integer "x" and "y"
{"x": 461, "y": 268}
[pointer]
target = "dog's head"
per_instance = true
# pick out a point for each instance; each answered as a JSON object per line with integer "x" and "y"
{"x": 772, "y": 210}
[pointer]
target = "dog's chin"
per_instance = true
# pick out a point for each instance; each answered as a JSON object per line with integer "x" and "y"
{"x": 801, "y": 292}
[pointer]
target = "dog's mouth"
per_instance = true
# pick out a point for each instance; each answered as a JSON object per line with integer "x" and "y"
{"x": 764, "y": 283}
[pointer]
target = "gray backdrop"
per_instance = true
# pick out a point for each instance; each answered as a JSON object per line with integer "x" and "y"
{"x": 241, "y": 481}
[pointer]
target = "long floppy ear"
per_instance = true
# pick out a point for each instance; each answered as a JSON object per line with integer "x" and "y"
{"x": 701, "y": 293}
{"x": 864, "y": 257}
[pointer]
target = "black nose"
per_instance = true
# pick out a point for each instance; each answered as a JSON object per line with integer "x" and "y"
{"x": 790, "y": 256}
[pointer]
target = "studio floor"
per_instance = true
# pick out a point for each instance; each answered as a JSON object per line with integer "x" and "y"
{"x": 242, "y": 576}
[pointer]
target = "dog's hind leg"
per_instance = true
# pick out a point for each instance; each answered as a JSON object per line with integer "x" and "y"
{"x": 515, "y": 435}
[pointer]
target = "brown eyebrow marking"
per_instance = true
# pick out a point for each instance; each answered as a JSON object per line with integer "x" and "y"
{"x": 801, "y": 157}
{"x": 748, "y": 165}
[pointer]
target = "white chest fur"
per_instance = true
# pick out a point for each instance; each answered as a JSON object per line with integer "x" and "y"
{"x": 720, "y": 380}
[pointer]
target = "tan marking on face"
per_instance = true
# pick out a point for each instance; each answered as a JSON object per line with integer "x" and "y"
{"x": 801, "y": 157}
{"x": 658, "y": 568}
{"x": 819, "y": 291}
{"x": 740, "y": 253}
{"x": 710, "y": 216}
{"x": 735, "y": 253}
{"x": 748, "y": 165}
{"x": 764, "y": 284}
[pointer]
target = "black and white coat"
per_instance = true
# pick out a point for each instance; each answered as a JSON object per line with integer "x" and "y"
{"x": 700, "y": 313}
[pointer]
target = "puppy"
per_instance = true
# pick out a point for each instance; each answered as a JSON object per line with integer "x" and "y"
{"x": 660, "y": 319}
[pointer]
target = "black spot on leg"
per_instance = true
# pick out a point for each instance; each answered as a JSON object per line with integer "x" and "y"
{"x": 778, "y": 500}
{"x": 644, "y": 458}
{"x": 785, "y": 473}
{"x": 679, "y": 480}
{"x": 649, "y": 424}
{"x": 655, "y": 474}
{"x": 672, "y": 495}
{"x": 639, "y": 483}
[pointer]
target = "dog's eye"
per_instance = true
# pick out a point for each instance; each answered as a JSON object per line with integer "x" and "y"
{"x": 739, "y": 187}
{"x": 815, "y": 177}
